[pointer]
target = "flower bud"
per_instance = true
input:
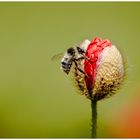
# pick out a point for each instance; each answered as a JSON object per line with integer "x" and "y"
{"x": 103, "y": 69}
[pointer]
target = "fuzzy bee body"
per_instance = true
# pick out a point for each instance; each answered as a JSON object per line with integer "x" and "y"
{"x": 67, "y": 60}
{"x": 73, "y": 55}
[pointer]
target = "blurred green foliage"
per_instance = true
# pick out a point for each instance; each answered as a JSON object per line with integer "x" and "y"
{"x": 36, "y": 99}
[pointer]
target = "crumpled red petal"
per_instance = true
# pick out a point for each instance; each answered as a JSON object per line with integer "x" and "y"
{"x": 92, "y": 53}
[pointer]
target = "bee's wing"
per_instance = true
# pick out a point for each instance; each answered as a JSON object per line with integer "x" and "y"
{"x": 57, "y": 56}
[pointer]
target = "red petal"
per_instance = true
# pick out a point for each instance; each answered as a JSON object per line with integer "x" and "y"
{"x": 92, "y": 53}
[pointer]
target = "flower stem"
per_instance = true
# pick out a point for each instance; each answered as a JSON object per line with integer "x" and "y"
{"x": 94, "y": 118}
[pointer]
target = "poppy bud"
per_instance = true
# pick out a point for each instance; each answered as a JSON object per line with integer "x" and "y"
{"x": 103, "y": 69}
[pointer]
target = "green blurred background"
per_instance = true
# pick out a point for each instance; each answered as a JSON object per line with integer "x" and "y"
{"x": 37, "y": 100}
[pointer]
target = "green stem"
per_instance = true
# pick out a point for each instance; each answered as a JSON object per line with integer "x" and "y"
{"x": 94, "y": 118}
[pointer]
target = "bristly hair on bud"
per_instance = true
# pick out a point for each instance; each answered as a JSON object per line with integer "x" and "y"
{"x": 103, "y": 69}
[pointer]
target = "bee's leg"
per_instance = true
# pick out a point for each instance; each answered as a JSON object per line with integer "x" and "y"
{"x": 82, "y": 72}
{"x": 80, "y": 58}
{"x": 83, "y": 57}
{"x": 79, "y": 68}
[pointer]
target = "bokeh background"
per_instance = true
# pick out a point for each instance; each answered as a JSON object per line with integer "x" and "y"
{"x": 37, "y": 100}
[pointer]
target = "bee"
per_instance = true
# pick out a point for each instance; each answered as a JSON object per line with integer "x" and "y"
{"x": 73, "y": 55}
{"x": 73, "y": 61}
